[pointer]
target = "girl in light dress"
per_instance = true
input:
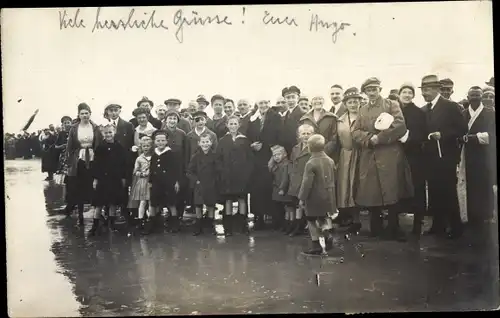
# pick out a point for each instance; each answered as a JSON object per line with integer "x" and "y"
{"x": 139, "y": 191}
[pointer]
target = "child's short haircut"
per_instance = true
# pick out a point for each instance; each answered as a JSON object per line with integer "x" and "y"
{"x": 278, "y": 148}
{"x": 233, "y": 117}
{"x": 303, "y": 126}
{"x": 108, "y": 125}
{"x": 159, "y": 133}
{"x": 316, "y": 143}
{"x": 205, "y": 135}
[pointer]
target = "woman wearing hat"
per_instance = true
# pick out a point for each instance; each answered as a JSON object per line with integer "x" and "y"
{"x": 83, "y": 139}
{"x": 413, "y": 142}
{"x": 384, "y": 177}
{"x": 348, "y": 160}
{"x": 489, "y": 97}
{"x": 147, "y": 105}
{"x": 324, "y": 123}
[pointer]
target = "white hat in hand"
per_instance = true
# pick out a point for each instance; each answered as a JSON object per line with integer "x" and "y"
{"x": 384, "y": 121}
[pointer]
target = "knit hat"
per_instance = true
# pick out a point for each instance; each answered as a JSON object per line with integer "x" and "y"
{"x": 407, "y": 85}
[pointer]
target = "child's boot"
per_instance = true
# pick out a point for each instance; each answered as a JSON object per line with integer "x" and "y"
{"x": 198, "y": 227}
{"x": 315, "y": 249}
{"x": 228, "y": 229}
{"x": 95, "y": 227}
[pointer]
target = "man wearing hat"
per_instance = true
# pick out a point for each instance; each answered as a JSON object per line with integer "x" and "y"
{"x": 478, "y": 163}
{"x": 178, "y": 142}
{"x": 446, "y": 89}
{"x": 337, "y": 95}
{"x": 203, "y": 105}
{"x": 491, "y": 82}
{"x": 147, "y": 104}
{"x": 291, "y": 118}
{"x": 445, "y": 124}
{"x": 174, "y": 104}
{"x": 384, "y": 173}
{"x": 393, "y": 94}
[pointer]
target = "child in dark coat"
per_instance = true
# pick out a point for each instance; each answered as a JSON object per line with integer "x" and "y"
{"x": 164, "y": 178}
{"x": 235, "y": 159}
{"x": 279, "y": 166}
{"x": 202, "y": 174}
{"x": 109, "y": 172}
{"x": 317, "y": 193}
{"x": 299, "y": 157}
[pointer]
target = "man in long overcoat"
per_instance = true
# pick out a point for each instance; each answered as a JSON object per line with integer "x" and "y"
{"x": 446, "y": 124}
{"x": 480, "y": 165}
{"x": 384, "y": 176}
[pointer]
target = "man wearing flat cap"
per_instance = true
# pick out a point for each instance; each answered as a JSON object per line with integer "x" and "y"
{"x": 478, "y": 163}
{"x": 146, "y": 104}
{"x": 446, "y": 89}
{"x": 446, "y": 124}
{"x": 174, "y": 104}
{"x": 291, "y": 118}
{"x": 384, "y": 177}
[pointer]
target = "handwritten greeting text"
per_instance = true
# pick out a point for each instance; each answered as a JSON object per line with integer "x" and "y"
{"x": 182, "y": 21}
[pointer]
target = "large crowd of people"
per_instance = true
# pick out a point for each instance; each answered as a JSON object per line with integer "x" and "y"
{"x": 299, "y": 161}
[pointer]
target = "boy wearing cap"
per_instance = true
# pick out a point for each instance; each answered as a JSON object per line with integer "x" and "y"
{"x": 384, "y": 174}
{"x": 291, "y": 118}
{"x": 193, "y": 137}
{"x": 175, "y": 105}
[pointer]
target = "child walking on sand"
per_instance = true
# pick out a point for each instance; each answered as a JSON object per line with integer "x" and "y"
{"x": 317, "y": 193}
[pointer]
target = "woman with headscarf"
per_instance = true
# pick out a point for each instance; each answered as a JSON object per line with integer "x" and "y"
{"x": 83, "y": 138}
{"x": 324, "y": 123}
{"x": 413, "y": 142}
{"x": 348, "y": 160}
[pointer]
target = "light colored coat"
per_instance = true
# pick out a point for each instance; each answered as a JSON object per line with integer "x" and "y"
{"x": 384, "y": 174}
{"x": 347, "y": 163}
{"x": 318, "y": 186}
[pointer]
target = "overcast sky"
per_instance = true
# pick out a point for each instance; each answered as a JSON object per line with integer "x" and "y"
{"x": 54, "y": 69}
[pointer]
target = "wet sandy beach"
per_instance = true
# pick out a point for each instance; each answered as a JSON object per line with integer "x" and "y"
{"x": 54, "y": 269}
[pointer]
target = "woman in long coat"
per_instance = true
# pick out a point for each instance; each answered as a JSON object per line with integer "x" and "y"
{"x": 413, "y": 141}
{"x": 50, "y": 155}
{"x": 324, "y": 123}
{"x": 83, "y": 139}
{"x": 263, "y": 132}
{"x": 348, "y": 159}
{"x": 62, "y": 140}
{"x": 384, "y": 176}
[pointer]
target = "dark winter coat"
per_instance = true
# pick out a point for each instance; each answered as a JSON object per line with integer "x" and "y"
{"x": 325, "y": 126}
{"x": 289, "y": 132}
{"x": 219, "y": 127}
{"x": 281, "y": 180}
{"x": 234, "y": 162}
{"x": 164, "y": 174}
{"x": 318, "y": 186}
{"x": 109, "y": 169}
{"x": 299, "y": 158}
{"x": 50, "y": 155}
{"x": 202, "y": 173}
{"x": 193, "y": 139}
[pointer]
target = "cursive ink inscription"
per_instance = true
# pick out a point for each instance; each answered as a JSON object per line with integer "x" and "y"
{"x": 180, "y": 22}
{"x": 317, "y": 23}
{"x": 130, "y": 23}
{"x": 268, "y": 18}
{"x": 66, "y": 22}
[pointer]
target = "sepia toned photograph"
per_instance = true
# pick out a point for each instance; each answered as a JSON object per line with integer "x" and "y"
{"x": 250, "y": 159}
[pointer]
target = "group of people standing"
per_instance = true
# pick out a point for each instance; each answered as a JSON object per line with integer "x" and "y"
{"x": 300, "y": 160}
